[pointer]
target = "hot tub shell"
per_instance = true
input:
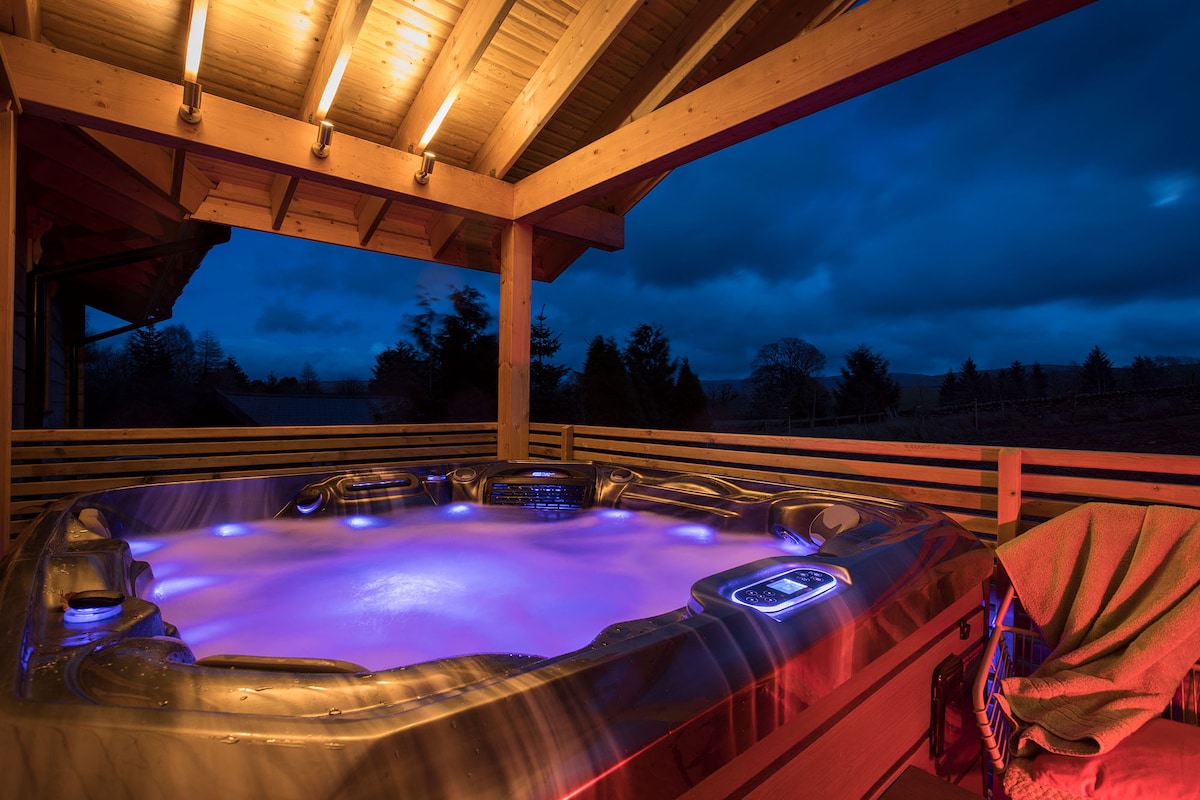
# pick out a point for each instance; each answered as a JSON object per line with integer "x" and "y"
{"x": 695, "y": 700}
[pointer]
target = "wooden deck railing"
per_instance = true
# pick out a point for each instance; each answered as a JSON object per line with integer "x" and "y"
{"x": 995, "y": 492}
{"x": 49, "y": 464}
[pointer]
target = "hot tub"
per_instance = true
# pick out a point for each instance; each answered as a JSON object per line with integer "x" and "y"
{"x": 705, "y": 683}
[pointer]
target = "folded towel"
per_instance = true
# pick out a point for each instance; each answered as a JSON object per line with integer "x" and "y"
{"x": 1115, "y": 591}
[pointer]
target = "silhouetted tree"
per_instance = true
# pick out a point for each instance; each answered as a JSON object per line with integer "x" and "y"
{"x": 231, "y": 376}
{"x": 1145, "y": 373}
{"x": 148, "y": 354}
{"x": 467, "y": 360}
{"x": 1096, "y": 374}
{"x": 784, "y": 379}
{"x": 398, "y": 377}
{"x": 949, "y": 392}
{"x": 865, "y": 386}
{"x": 606, "y": 391}
{"x": 648, "y": 359}
{"x": 309, "y": 381}
{"x": 1018, "y": 380}
{"x": 181, "y": 351}
{"x": 970, "y": 382}
{"x": 209, "y": 353}
{"x": 546, "y": 392}
{"x": 1039, "y": 383}
{"x": 691, "y": 403}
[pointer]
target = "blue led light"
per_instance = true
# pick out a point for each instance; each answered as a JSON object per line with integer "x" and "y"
{"x": 700, "y": 534}
{"x": 170, "y": 587}
{"x": 616, "y": 513}
{"x": 459, "y": 509}
{"x": 360, "y": 522}
{"x": 79, "y": 616}
{"x": 140, "y": 547}
{"x": 231, "y": 529}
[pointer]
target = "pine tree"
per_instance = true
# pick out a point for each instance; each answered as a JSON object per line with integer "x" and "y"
{"x": 648, "y": 359}
{"x": 606, "y": 391}
{"x": 948, "y": 392}
{"x": 865, "y": 386}
{"x": 1039, "y": 382}
{"x": 1096, "y": 374}
{"x": 1144, "y": 373}
{"x": 546, "y": 400}
{"x": 970, "y": 382}
{"x": 690, "y": 401}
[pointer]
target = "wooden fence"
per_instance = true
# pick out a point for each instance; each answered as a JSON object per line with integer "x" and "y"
{"x": 49, "y": 464}
{"x": 995, "y": 492}
{"x": 992, "y": 491}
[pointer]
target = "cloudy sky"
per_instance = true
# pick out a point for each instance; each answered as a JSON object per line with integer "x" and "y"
{"x": 1028, "y": 201}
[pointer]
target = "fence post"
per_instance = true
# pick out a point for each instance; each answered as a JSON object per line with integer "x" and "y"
{"x": 1008, "y": 494}
{"x": 567, "y": 448}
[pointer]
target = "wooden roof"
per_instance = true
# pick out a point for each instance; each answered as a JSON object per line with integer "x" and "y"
{"x": 560, "y": 113}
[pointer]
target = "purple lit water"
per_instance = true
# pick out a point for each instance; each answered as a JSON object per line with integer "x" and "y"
{"x": 429, "y": 583}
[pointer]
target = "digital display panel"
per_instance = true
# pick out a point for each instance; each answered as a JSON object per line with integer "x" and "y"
{"x": 787, "y": 586}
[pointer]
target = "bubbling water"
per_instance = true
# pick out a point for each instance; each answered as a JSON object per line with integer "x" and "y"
{"x": 430, "y": 583}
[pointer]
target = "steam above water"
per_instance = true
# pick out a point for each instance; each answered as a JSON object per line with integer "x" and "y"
{"x": 429, "y": 583}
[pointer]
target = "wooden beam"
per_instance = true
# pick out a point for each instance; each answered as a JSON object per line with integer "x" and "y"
{"x": 283, "y": 189}
{"x": 8, "y": 93}
{"x": 21, "y": 18}
{"x": 516, "y": 287}
{"x": 344, "y": 27}
{"x": 870, "y": 46}
{"x": 464, "y": 47}
{"x": 588, "y": 226}
{"x": 69, "y": 88}
{"x": 695, "y": 55}
{"x": 171, "y": 175}
{"x": 591, "y": 32}
{"x": 8, "y": 278}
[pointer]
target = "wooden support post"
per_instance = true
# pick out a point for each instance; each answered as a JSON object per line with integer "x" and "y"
{"x": 516, "y": 287}
{"x": 8, "y": 275}
{"x": 1008, "y": 495}
{"x": 568, "y": 443}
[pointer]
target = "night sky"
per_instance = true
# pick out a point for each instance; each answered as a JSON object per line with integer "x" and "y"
{"x": 1024, "y": 202}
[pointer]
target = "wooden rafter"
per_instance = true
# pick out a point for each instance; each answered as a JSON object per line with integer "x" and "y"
{"x": 184, "y": 184}
{"x": 344, "y": 27}
{"x": 870, "y": 46}
{"x": 592, "y": 30}
{"x": 467, "y": 42}
{"x": 59, "y": 85}
{"x": 22, "y": 18}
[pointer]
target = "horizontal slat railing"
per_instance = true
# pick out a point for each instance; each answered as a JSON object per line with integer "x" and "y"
{"x": 49, "y": 464}
{"x": 958, "y": 479}
{"x": 995, "y": 492}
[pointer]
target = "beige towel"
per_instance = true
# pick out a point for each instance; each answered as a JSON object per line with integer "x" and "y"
{"x": 1115, "y": 591}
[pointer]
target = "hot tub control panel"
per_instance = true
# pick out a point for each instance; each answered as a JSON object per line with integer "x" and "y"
{"x": 783, "y": 591}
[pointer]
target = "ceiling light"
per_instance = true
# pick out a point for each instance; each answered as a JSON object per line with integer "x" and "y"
{"x": 189, "y": 109}
{"x": 427, "y": 162}
{"x": 320, "y": 147}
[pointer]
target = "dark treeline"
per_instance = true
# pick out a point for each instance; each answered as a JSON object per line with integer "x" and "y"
{"x": 444, "y": 370}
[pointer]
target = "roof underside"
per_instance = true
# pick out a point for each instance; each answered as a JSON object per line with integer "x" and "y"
{"x": 558, "y": 113}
